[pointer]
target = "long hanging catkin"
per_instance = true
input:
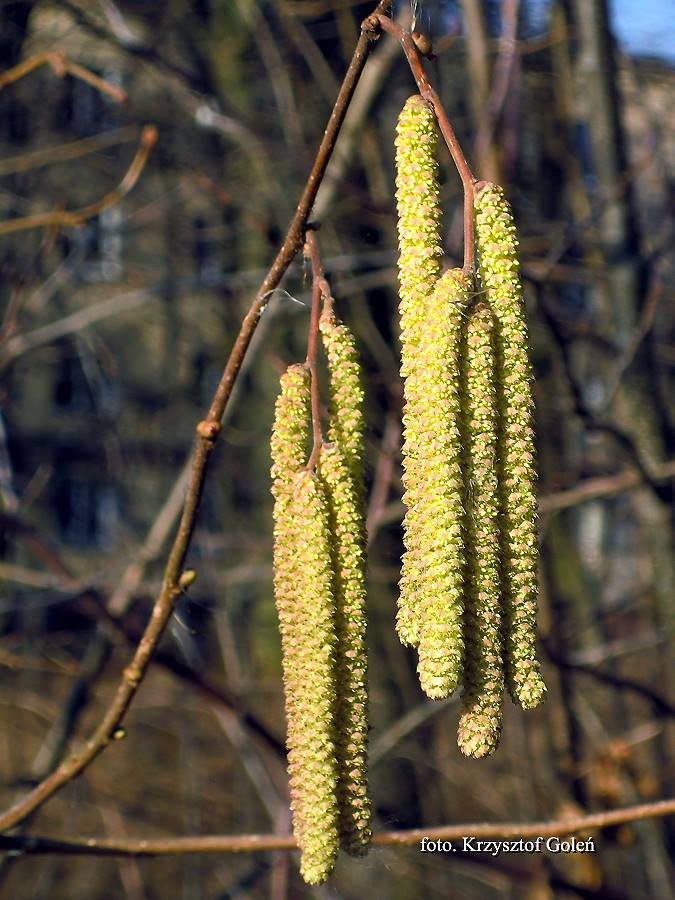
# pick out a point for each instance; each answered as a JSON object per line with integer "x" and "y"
{"x": 419, "y": 266}
{"x": 341, "y": 471}
{"x": 480, "y": 722}
{"x": 498, "y": 268}
{"x": 351, "y": 711}
{"x": 303, "y": 589}
{"x": 433, "y": 482}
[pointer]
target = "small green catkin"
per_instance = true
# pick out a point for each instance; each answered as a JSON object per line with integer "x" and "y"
{"x": 351, "y": 715}
{"x": 498, "y": 268}
{"x": 345, "y": 424}
{"x": 433, "y": 523}
{"x": 291, "y": 429}
{"x": 419, "y": 267}
{"x": 480, "y": 723}
{"x": 288, "y": 445}
{"x": 303, "y": 591}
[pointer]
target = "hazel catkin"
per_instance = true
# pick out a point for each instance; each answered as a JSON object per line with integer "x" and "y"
{"x": 419, "y": 267}
{"x": 345, "y": 424}
{"x": 498, "y": 268}
{"x": 351, "y": 709}
{"x": 433, "y": 488}
{"x": 341, "y": 472}
{"x": 303, "y": 590}
{"x": 290, "y": 432}
{"x": 480, "y": 722}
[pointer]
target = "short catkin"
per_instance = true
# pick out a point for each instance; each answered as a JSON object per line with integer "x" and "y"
{"x": 341, "y": 471}
{"x": 345, "y": 424}
{"x": 290, "y": 432}
{"x": 303, "y": 589}
{"x": 433, "y": 484}
{"x": 419, "y": 266}
{"x": 480, "y": 722}
{"x": 498, "y": 268}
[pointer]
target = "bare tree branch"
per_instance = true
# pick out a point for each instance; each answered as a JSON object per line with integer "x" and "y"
{"x": 251, "y": 843}
{"x": 76, "y": 217}
{"x": 62, "y": 66}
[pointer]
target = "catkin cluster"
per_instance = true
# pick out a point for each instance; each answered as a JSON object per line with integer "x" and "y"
{"x": 319, "y": 587}
{"x": 467, "y": 596}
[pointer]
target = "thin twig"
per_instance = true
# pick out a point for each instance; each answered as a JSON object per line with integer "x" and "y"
{"x": 207, "y": 432}
{"x": 77, "y": 321}
{"x": 646, "y": 320}
{"x": 312, "y": 251}
{"x": 661, "y": 704}
{"x": 71, "y": 150}
{"x": 93, "y": 605}
{"x": 249, "y": 843}
{"x": 384, "y": 473}
{"x": 460, "y": 161}
{"x": 61, "y": 66}
{"x": 131, "y": 578}
{"x": 77, "y": 217}
{"x": 501, "y": 80}
{"x": 605, "y": 486}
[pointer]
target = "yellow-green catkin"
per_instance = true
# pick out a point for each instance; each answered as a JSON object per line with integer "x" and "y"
{"x": 345, "y": 425}
{"x": 290, "y": 432}
{"x": 341, "y": 470}
{"x": 433, "y": 523}
{"x": 303, "y": 589}
{"x": 497, "y": 246}
{"x": 419, "y": 266}
{"x": 351, "y": 713}
{"x": 480, "y": 722}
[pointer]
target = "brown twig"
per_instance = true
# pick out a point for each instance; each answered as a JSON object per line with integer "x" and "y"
{"x": 62, "y": 66}
{"x": 384, "y": 473}
{"x": 248, "y": 843}
{"x": 430, "y": 95}
{"x": 207, "y": 432}
{"x": 605, "y": 486}
{"x": 318, "y": 281}
{"x": 93, "y": 605}
{"x": 647, "y": 313}
{"x": 75, "y": 322}
{"x": 662, "y": 706}
{"x": 62, "y": 152}
{"x": 77, "y": 217}
{"x": 502, "y": 76}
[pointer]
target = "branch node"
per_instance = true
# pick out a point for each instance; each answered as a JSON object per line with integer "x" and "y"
{"x": 187, "y": 578}
{"x": 149, "y": 136}
{"x": 208, "y": 430}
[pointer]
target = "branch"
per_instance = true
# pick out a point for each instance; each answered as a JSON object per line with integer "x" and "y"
{"x": 62, "y": 152}
{"x": 73, "y": 323}
{"x": 605, "y": 486}
{"x": 62, "y": 66}
{"x": 430, "y": 95}
{"x": 77, "y": 217}
{"x": 661, "y": 704}
{"x": 207, "y": 432}
{"x": 501, "y": 81}
{"x": 250, "y": 843}
{"x": 109, "y": 615}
